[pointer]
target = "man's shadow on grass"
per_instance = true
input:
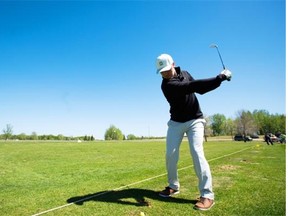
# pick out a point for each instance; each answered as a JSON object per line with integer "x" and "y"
{"x": 132, "y": 196}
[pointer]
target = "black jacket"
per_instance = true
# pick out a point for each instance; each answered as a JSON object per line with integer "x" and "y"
{"x": 179, "y": 92}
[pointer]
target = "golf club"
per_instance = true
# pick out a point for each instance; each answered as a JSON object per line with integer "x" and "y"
{"x": 215, "y": 46}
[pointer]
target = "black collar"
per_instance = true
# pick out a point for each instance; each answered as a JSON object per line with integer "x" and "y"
{"x": 179, "y": 73}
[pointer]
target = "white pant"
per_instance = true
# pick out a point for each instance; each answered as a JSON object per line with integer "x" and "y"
{"x": 195, "y": 133}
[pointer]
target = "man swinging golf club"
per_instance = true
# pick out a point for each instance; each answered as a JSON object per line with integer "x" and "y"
{"x": 179, "y": 88}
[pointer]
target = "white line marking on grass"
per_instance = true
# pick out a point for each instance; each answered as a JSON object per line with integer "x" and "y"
{"x": 125, "y": 186}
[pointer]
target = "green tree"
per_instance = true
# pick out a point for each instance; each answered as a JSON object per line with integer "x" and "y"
{"x": 113, "y": 133}
{"x": 262, "y": 121}
{"x": 131, "y": 137}
{"x": 8, "y": 131}
{"x": 218, "y": 124}
{"x": 268, "y": 123}
{"x": 22, "y": 136}
{"x": 279, "y": 125}
{"x": 34, "y": 136}
{"x": 230, "y": 127}
{"x": 85, "y": 138}
{"x": 60, "y": 137}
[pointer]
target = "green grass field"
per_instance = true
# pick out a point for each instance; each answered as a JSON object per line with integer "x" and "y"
{"x": 248, "y": 178}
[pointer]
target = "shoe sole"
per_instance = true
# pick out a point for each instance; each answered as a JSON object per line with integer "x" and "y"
{"x": 204, "y": 209}
{"x": 166, "y": 196}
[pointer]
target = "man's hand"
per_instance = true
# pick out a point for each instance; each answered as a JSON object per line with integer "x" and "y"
{"x": 227, "y": 74}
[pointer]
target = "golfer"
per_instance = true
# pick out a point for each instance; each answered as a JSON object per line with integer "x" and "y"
{"x": 179, "y": 88}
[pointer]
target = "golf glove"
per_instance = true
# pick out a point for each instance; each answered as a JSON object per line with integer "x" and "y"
{"x": 227, "y": 74}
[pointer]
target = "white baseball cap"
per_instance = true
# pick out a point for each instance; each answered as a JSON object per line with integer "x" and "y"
{"x": 164, "y": 62}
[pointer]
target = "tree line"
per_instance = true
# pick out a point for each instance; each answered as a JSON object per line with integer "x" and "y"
{"x": 8, "y": 134}
{"x": 257, "y": 122}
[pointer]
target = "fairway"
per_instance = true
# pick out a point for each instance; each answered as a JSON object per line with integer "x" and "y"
{"x": 248, "y": 178}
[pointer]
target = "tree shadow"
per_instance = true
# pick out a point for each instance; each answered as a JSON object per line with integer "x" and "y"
{"x": 131, "y": 196}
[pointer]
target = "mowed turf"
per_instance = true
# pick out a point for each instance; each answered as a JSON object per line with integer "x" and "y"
{"x": 248, "y": 178}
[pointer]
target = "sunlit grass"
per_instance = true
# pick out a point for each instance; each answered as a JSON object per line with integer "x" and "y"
{"x": 35, "y": 177}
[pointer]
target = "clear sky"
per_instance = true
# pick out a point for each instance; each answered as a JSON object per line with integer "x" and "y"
{"x": 77, "y": 67}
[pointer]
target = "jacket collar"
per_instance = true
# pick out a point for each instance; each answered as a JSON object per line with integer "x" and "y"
{"x": 179, "y": 73}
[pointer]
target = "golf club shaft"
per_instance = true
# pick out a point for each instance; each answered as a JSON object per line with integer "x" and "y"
{"x": 220, "y": 57}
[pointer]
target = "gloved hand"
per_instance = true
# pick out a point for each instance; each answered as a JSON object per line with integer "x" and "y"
{"x": 227, "y": 74}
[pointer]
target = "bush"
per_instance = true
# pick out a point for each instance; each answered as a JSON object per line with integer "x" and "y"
{"x": 113, "y": 133}
{"x": 131, "y": 137}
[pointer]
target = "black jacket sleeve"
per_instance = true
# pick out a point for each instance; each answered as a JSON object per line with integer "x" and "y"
{"x": 200, "y": 86}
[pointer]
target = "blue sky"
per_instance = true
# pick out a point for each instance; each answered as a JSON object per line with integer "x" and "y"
{"x": 75, "y": 68}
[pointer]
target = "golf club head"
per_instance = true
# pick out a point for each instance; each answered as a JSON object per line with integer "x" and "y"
{"x": 213, "y": 46}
